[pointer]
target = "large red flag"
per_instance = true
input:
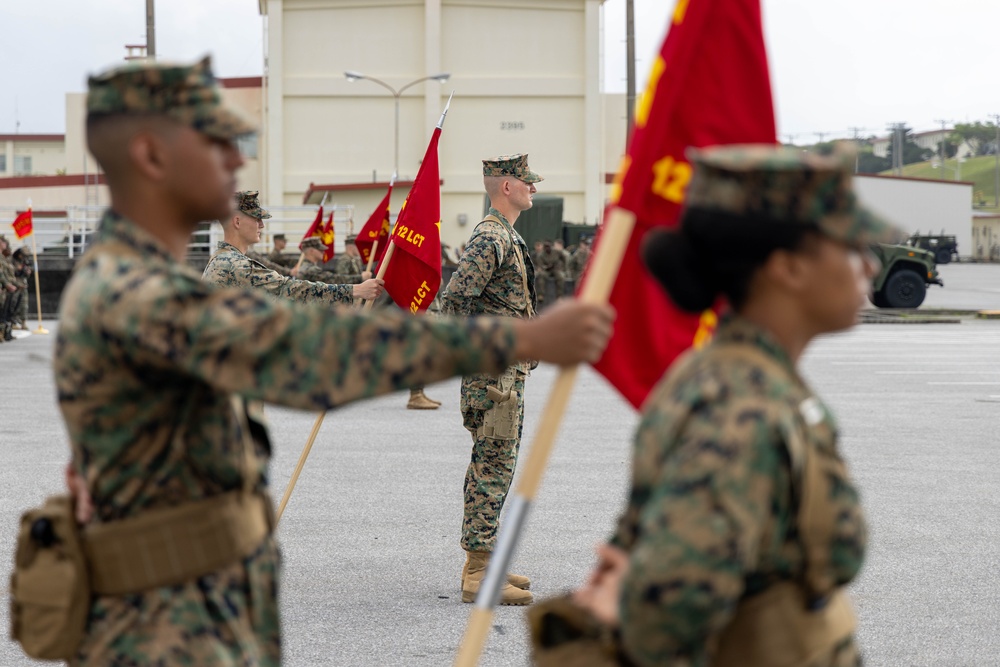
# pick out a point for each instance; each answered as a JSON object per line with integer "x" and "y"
{"x": 377, "y": 228}
{"x": 316, "y": 228}
{"x": 709, "y": 86}
{"x": 23, "y": 225}
{"x": 328, "y": 237}
{"x": 413, "y": 275}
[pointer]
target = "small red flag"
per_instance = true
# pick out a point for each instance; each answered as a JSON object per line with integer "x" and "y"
{"x": 377, "y": 228}
{"x": 327, "y": 237}
{"x": 709, "y": 86}
{"x": 23, "y": 225}
{"x": 413, "y": 276}
{"x": 316, "y": 228}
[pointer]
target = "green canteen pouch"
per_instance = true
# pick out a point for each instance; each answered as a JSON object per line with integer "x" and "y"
{"x": 49, "y": 588}
{"x": 565, "y": 635}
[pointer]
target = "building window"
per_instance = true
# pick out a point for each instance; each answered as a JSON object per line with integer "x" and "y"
{"x": 22, "y": 165}
{"x": 248, "y": 146}
{"x": 3, "y": 162}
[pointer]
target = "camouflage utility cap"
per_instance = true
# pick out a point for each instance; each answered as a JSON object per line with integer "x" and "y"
{"x": 186, "y": 93}
{"x": 277, "y": 237}
{"x": 780, "y": 184}
{"x": 511, "y": 165}
{"x": 247, "y": 202}
{"x": 350, "y": 238}
{"x": 312, "y": 242}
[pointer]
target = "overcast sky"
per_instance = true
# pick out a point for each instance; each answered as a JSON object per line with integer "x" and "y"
{"x": 834, "y": 65}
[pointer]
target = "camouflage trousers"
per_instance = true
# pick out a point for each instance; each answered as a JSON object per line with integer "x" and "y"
{"x": 542, "y": 280}
{"x": 22, "y": 316}
{"x": 491, "y": 468}
{"x": 226, "y": 619}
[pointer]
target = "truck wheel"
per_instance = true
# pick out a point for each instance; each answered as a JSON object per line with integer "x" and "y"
{"x": 905, "y": 289}
{"x": 878, "y": 299}
{"x": 942, "y": 256}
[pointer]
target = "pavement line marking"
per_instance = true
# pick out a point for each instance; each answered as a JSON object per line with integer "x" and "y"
{"x": 965, "y": 383}
{"x": 935, "y": 372}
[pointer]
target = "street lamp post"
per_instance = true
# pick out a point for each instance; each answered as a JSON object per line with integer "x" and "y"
{"x": 357, "y": 76}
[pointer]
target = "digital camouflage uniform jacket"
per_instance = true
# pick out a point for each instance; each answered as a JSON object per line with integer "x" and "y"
{"x": 147, "y": 350}
{"x": 711, "y": 515}
{"x": 349, "y": 269}
{"x": 312, "y": 271}
{"x": 488, "y": 281}
{"x": 231, "y": 268}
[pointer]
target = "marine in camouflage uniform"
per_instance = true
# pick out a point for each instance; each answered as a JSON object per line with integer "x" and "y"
{"x": 22, "y": 271}
{"x": 278, "y": 255}
{"x": 309, "y": 268}
{"x": 229, "y": 267}
{"x": 10, "y": 292}
{"x": 495, "y": 276}
{"x": 578, "y": 261}
{"x": 551, "y": 268}
{"x": 348, "y": 266}
{"x": 725, "y": 519}
{"x": 148, "y": 358}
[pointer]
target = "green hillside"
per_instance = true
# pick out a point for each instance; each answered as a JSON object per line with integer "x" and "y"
{"x": 977, "y": 170}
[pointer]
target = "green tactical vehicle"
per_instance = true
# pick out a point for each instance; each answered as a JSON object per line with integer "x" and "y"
{"x": 906, "y": 273}
{"x": 944, "y": 246}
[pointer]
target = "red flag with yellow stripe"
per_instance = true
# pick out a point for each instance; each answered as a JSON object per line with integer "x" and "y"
{"x": 327, "y": 236}
{"x": 376, "y": 229}
{"x": 710, "y": 85}
{"x": 413, "y": 275}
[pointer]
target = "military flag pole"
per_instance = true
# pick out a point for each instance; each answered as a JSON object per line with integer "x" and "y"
{"x": 298, "y": 467}
{"x": 24, "y": 225}
{"x": 597, "y": 288}
{"x": 384, "y": 265}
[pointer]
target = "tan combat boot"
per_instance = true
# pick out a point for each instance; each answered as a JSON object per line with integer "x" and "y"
{"x": 475, "y": 570}
{"x": 420, "y": 402}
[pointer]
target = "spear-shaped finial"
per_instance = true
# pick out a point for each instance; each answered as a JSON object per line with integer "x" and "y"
{"x": 445, "y": 112}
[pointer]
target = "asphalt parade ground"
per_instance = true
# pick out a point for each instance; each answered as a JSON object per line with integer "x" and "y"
{"x": 370, "y": 535}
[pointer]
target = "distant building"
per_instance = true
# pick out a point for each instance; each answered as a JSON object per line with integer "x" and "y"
{"x": 930, "y": 140}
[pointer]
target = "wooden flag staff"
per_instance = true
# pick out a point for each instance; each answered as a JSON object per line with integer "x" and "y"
{"x": 607, "y": 259}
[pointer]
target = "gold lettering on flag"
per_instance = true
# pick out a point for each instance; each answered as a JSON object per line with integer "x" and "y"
{"x": 671, "y": 178}
{"x": 642, "y": 112}
{"x": 680, "y": 9}
{"x": 707, "y": 324}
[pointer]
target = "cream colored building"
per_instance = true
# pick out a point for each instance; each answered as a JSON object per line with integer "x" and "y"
{"x": 32, "y": 155}
{"x": 526, "y": 77}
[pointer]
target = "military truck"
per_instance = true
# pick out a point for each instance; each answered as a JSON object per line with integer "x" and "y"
{"x": 944, "y": 246}
{"x": 906, "y": 273}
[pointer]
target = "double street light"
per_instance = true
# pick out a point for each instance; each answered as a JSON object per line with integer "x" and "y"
{"x": 358, "y": 76}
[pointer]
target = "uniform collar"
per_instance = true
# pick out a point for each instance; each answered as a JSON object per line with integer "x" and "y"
{"x": 735, "y": 329}
{"x": 510, "y": 227}
{"x": 228, "y": 246}
{"x": 116, "y": 227}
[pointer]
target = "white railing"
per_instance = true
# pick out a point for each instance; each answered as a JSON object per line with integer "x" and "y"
{"x": 69, "y": 234}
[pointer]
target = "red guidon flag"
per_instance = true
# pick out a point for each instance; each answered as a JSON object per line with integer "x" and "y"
{"x": 413, "y": 275}
{"x": 377, "y": 228}
{"x": 316, "y": 228}
{"x": 328, "y": 237}
{"x": 23, "y": 225}
{"x": 710, "y": 85}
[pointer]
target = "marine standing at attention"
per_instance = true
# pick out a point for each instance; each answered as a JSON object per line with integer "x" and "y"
{"x": 495, "y": 276}
{"x": 152, "y": 366}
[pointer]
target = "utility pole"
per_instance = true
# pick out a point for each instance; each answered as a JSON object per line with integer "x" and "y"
{"x": 150, "y": 31}
{"x": 629, "y": 67}
{"x": 941, "y": 154}
{"x": 856, "y": 138}
{"x": 898, "y": 130}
